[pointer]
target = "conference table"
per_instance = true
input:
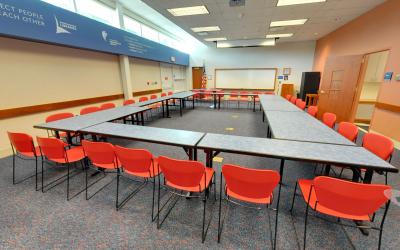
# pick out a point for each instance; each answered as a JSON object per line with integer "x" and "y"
{"x": 77, "y": 123}
{"x": 183, "y": 97}
{"x": 218, "y": 94}
{"x": 276, "y": 103}
{"x": 300, "y": 126}
{"x": 173, "y": 137}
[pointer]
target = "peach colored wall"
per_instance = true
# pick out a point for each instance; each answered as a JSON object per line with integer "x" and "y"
{"x": 374, "y": 31}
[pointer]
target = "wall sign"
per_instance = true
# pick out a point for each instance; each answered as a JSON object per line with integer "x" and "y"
{"x": 43, "y": 22}
{"x": 388, "y": 76}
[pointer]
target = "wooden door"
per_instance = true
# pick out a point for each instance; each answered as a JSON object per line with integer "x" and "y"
{"x": 339, "y": 84}
{"x": 287, "y": 89}
{"x": 197, "y": 76}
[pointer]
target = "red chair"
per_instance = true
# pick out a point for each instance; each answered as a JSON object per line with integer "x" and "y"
{"x": 103, "y": 158}
{"x": 288, "y": 97}
{"x": 57, "y": 117}
{"x": 138, "y": 163}
{"x": 243, "y": 98}
{"x": 348, "y": 130}
{"x": 143, "y": 99}
{"x": 293, "y": 99}
{"x": 251, "y": 186}
{"x": 54, "y": 150}
{"x": 155, "y": 105}
{"x": 182, "y": 176}
{"x": 108, "y": 105}
{"x": 329, "y": 119}
{"x": 234, "y": 97}
{"x": 343, "y": 200}
{"x": 129, "y": 102}
{"x": 170, "y": 93}
{"x": 163, "y": 94}
{"x": 312, "y": 110}
{"x": 89, "y": 110}
{"x": 381, "y": 146}
{"x": 301, "y": 105}
{"x": 23, "y": 147}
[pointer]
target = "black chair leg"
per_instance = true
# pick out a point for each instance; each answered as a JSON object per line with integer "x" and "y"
{"x": 294, "y": 197}
{"x": 305, "y": 227}
{"x": 13, "y": 169}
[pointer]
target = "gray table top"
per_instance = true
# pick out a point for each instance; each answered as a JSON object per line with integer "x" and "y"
{"x": 277, "y": 103}
{"x": 148, "y": 134}
{"x": 300, "y": 126}
{"x": 150, "y": 101}
{"x": 295, "y": 150}
{"x": 182, "y": 95}
{"x": 77, "y": 123}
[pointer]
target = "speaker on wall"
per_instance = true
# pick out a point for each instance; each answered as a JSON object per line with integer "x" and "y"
{"x": 309, "y": 83}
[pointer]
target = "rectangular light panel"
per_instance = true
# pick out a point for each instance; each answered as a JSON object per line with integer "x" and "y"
{"x": 206, "y": 29}
{"x": 288, "y": 22}
{"x": 189, "y": 11}
{"x": 215, "y": 39}
{"x": 246, "y": 43}
{"x": 279, "y": 35}
{"x": 293, "y": 2}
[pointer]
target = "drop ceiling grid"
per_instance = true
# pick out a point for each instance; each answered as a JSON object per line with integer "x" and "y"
{"x": 257, "y": 14}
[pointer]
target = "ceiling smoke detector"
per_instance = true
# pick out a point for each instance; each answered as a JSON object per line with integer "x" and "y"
{"x": 236, "y": 3}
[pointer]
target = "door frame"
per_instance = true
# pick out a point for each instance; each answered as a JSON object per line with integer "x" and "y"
{"x": 360, "y": 82}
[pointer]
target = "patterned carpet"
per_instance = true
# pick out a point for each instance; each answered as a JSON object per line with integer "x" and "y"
{"x": 33, "y": 220}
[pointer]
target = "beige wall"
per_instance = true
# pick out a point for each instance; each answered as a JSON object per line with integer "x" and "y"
{"x": 143, "y": 72}
{"x": 34, "y": 73}
{"x": 374, "y": 31}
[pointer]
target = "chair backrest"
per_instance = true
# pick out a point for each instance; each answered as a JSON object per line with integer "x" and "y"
{"x": 233, "y": 94}
{"x": 59, "y": 116}
{"x": 329, "y": 119}
{"x": 312, "y": 110}
{"x": 170, "y": 93}
{"x": 128, "y": 102}
{"x": 379, "y": 145}
{"x": 251, "y": 183}
{"x": 270, "y": 93}
{"x": 298, "y": 100}
{"x": 22, "y": 143}
{"x": 348, "y": 130}
{"x": 181, "y": 172}
{"x": 301, "y": 105}
{"x": 288, "y": 97}
{"x": 135, "y": 160}
{"x": 349, "y": 197}
{"x": 89, "y": 110}
{"x": 52, "y": 148}
{"x": 100, "y": 153}
{"x": 163, "y": 94}
{"x": 293, "y": 99}
{"x": 143, "y": 99}
{"x": 244, "y": 92}
{"x": 153, "y": 97}
{"x": 108, "y": 105}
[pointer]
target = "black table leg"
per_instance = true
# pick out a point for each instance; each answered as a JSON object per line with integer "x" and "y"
{"x": 356, "y": 175}
{"x": 215, "y": 101}
{"x": 277, "y": 202}
{"x": 162, "y": 106}
{"x": 219, "y": 101}
{"x": 263, "y": 116}
{"x": 193, "y": 101}
{"x": 327, "y": 169}
{"x": 190, "y": 153}
{"x": 195, "y": 154}
{"x": 254, "y": 104}
{"x": 180, "y": 106}
{"x": 368, "y": 176}
{"x": 142, "y": 117}
{"x": 167, "y": 107}
{"x": 69, "y": 138}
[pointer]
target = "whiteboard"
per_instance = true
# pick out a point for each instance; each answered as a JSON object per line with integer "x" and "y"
{"x": 245, "y": 78}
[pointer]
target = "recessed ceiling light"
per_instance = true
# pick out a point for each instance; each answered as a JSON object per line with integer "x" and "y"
{"x": 215, "y": 39}
{"x": 246, "y": 43}
{"x": 293, "y": 2}
{"x": 205, "y": 29}
{"x": 279, "y": 35}
{"x": 202, "y": 33}
{"x": 189, "y": 11}
{"x": 288, "y": 22}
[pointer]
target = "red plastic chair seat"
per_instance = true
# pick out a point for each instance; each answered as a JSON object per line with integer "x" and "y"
{"x": 266, "y": 200}
{"x": 203, "y": 185}
{"x": 73, "y": 155}
{"x": 146, "y": 174}
{"x": 305, "y": 186}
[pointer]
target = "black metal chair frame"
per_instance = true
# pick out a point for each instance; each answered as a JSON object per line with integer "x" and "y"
{"x": 204, "y": 195}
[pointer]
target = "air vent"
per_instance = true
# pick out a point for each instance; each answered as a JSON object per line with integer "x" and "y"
{"x": 236, "y": 3}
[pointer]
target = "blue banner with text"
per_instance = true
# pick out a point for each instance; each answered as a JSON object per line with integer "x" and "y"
{"x": 39, "y": 21}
